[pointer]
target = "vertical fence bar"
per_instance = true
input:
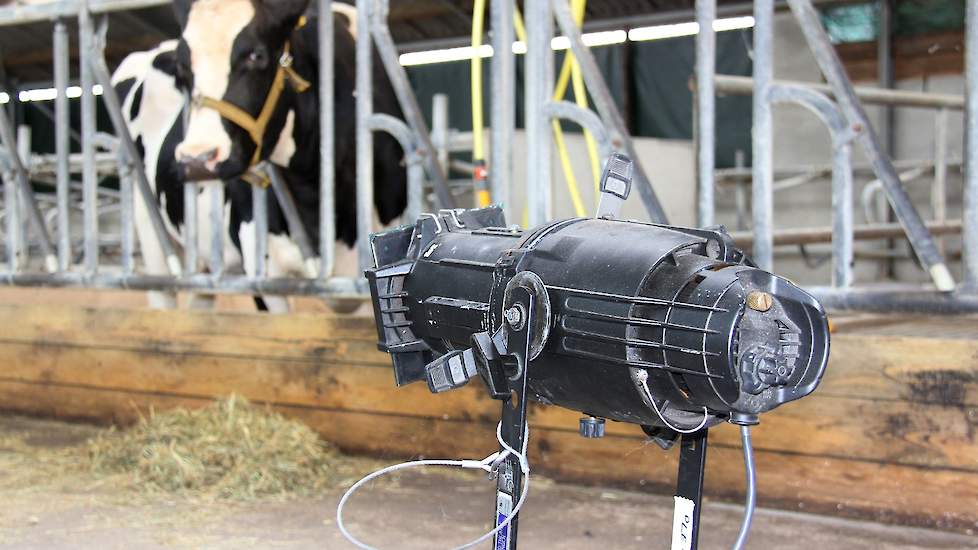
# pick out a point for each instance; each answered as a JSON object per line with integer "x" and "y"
{"x": 216, "y": 191}
{"x": 938, "y": 192}
{"x": 327, "y": 140}
{"x": 415, "y": 190}
{"x": 706, "y": 11}
{"x": 88, "y": 129}
{"x": 970, "y": 214}
{"x": 24, "y": 154}
{"x": 259, "y": 201}
{"x": 503, "y": 104}
{"x": 439, "y": 128}
{"x": 12, "y": 217}
{"x": 539, "y": 76}
{"x": 126, "y": 214}
{"x": 190, "y": 193}
{"x": 762, "y": 194}
{"x": 62, "y": 144}
{"x": 741, "y": 191}
{"x": 842, "y": 214}
{"x": 365, "y": 140}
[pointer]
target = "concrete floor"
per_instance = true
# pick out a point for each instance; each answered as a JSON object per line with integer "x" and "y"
{"x": 42, "y": 507}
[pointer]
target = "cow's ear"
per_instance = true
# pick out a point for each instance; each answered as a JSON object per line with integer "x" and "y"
{"x": 181, "y": 9}
{"x": 281, "y": 16}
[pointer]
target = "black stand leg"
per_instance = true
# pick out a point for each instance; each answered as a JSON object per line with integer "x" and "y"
{"x": 509, "y": 482}
{"x": 689, "y": 490}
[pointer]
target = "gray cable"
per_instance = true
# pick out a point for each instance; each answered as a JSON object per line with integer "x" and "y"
{"x": 751, "y": 488}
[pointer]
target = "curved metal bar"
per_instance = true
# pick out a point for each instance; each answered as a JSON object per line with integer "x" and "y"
{"x": 585, "y": 119}
{"x": 384, "y": 43}
{"x": 400, "y": 131}
{"x": 843, "y": 249}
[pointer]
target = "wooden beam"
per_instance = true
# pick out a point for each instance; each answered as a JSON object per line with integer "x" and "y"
{"x": 892, "y": 413}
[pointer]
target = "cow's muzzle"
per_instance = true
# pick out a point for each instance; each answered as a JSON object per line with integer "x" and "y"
{"x": 195, "y": 168}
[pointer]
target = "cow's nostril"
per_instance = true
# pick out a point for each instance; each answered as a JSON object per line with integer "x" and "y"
{"x": 190, "y": 155}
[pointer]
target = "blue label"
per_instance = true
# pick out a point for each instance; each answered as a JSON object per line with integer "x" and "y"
{"x": 502, "y": 536}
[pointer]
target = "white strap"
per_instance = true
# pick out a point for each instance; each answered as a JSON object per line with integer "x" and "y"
{"x": 488, "y": 464}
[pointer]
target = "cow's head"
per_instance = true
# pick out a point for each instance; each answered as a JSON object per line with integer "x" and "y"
{"x": 229, "y": 53}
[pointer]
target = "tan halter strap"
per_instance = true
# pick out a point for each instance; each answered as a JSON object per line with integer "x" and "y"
{"x": 256, "y": 126}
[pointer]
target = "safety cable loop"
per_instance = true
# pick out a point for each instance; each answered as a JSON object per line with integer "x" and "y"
{"x": 643, "y": 377}
{"x": 488, "y": 464}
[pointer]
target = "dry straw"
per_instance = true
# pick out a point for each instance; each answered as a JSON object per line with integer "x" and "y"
{"x": 231, "y": 449}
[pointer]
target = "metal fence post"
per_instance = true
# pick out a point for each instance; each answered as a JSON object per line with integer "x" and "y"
{"x": 762, "y": 195}
{"x": 970, "y": 214}
{"x": 12, "y": 212}
{"x": 938, "y": 198}
{"x": 327, "y": 140}
{"x": 705, "y": 110}
{"x": 539, "y": 77}
{"x": 365, "y": 140}
{"x": 503, "y": 102}
{"x": 88, "y": 130}
{"x": 439, "y": 128}
{"x": 62, "y": 144}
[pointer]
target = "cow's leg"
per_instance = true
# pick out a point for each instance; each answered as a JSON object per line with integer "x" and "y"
{"x": 153, "y": 258}
{"x": 247, "y": 238}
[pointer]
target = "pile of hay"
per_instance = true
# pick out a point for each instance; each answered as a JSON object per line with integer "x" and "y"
{"x": 231, "y": 449}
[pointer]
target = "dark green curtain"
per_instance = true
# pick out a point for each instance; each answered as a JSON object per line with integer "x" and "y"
{"x": 663, "y": 104}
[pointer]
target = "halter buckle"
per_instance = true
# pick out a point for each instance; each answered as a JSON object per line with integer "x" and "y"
{"x": 285, "y": 61}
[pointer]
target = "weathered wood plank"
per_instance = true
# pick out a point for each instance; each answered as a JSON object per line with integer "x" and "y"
{"x": 901, "y": 409}
{"x": 305, "y": 337}
{"x": 887, "y": 431}
{"x": 885, "y": 492}
{"x": 917, "y": 370}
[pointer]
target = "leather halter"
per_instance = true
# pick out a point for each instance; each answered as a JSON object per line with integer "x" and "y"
{"x": 256, "y": 126}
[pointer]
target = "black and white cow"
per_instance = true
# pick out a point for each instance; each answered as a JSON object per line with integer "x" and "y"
{"x": 229, "y": 49}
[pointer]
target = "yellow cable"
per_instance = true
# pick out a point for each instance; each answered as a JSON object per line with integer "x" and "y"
{"x": 569, "y": 71}
{"x": 518, "y": 25}
{"x": 565, "y": 164}
{"x": 560, "y": 90}
{"x": 478, "y": 21}
{"x": 580, "y": 96}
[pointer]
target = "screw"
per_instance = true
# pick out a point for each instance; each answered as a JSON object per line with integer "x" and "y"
{"x": 514, "y": 316}
{"x": 759, "y": 301}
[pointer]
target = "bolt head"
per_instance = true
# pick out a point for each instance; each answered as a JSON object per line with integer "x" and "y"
{"x": 514, "y": 316}
{"x": 760, "y": 301}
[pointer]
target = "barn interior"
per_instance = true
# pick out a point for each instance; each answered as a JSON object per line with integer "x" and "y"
{"x": 213, "y": 425}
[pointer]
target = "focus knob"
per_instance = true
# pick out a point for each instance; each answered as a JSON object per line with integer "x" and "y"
{"x": 591, "y": 427}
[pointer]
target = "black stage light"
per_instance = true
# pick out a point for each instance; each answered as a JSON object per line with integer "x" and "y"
{"x": 666, "y": 327}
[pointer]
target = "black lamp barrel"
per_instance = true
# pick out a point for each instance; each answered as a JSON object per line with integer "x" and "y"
{"x": 647, "y": 324}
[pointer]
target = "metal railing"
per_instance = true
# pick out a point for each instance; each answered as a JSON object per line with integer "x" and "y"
{"x": 839, "y": 106}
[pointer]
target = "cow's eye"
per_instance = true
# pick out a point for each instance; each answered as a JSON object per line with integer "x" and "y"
{"x": 257, "y": 59}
